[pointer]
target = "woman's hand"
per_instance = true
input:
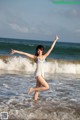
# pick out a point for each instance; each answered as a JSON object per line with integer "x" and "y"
{"x": 57, "y": 37}
{"x": 51, "y": 48}
{"x": 13, "y": 51}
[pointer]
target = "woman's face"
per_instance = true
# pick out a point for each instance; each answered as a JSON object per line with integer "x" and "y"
{"x": 39, "y": 51}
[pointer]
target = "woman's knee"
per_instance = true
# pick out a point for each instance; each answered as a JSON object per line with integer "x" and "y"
{"x": 42, "y": 82}
{"x": 47, "y": 87}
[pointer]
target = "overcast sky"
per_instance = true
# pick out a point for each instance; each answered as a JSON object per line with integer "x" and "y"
{"x": 40, "y": 20}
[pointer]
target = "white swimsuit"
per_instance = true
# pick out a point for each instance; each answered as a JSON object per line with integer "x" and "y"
{"x": 40, "y": 67}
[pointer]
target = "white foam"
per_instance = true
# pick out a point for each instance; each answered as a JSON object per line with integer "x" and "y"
{"x": 5, "y": 85}
{"x": 66, "y": 67}
{"x": 17, "y": 64}
{"x": 24, "y": 64}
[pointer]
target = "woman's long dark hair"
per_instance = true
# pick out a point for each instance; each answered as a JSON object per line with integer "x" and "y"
{"x": 41, "y": 47}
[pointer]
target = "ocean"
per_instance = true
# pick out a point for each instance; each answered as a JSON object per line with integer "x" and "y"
{"x": 62, "y": 72}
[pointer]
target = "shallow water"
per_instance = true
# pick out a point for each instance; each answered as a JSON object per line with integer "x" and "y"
{"x": 60, "y": 102}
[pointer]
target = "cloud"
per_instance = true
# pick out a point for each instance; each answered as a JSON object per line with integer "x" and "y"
{"x": 78, "y": 30}
{"x": 39, "y": 29}
{"x": 75, "y": 13}
{"x": 19, "y": 28}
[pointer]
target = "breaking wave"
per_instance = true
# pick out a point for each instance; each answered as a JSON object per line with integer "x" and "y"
{"x": 52, "y": 66}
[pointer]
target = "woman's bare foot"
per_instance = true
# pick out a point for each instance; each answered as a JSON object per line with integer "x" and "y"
{"x": 30, "y": 90}
{"x": 35, "y": 101}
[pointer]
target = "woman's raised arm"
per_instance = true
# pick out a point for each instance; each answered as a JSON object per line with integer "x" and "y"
{"x": 51, "y": 48}
{"x": 23, "y": 53}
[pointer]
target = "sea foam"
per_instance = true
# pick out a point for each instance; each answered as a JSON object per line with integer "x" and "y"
{"x": 21, "y": 64}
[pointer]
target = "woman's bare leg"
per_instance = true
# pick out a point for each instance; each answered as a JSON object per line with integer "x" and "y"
{"x": 44, "y": 84}
{"x": 38, "y": 84}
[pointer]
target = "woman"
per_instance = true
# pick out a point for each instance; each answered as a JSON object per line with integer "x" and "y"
{"x": 39, "y": 58}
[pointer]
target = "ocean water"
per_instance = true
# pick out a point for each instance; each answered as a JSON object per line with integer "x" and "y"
{"x": 65, "y": 51}
{"x": 62, "y": 72}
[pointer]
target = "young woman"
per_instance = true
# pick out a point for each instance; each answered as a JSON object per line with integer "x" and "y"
{"x": 39, "y": 58}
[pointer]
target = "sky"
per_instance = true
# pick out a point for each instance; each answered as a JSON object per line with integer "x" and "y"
{"x": 40, "y": 20}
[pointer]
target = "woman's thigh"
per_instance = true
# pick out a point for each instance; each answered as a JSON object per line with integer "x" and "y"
{"x": 38, "y": 84}
{"x": 42, "y": 81}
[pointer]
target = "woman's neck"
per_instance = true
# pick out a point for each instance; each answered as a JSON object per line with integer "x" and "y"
{"x": 40, "y": 55}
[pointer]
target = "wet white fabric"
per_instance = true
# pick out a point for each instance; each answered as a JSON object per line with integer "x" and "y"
{"x": 40, "y": 67}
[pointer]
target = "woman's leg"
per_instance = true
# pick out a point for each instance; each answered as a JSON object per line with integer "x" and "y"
{"x": 44, "y": 86}
{"x": 38, "y": 84}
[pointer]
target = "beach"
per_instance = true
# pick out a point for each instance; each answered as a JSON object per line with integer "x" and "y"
{"x": 62, "y": 72}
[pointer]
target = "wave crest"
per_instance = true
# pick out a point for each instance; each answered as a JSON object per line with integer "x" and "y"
{"x": 52, "y": 66}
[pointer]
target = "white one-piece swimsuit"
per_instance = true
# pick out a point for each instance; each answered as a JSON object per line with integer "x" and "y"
{"x": 40, "y": 64}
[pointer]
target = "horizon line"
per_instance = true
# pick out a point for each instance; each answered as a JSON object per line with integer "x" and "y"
{"x": 38, "y": 40}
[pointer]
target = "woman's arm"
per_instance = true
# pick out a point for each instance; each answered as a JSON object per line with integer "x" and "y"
{"x": 23, "y": 53}
{"x": 51, "y": 48}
